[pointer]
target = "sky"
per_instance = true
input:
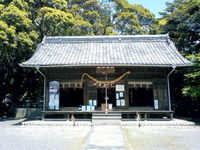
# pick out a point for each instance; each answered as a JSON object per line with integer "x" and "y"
{"x": 154, "y": 6}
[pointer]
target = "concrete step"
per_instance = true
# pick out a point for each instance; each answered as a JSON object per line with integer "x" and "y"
{"x": 110, "y": 118}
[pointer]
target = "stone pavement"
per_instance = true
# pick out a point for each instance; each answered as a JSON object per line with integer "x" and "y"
{"x": 14, "y": 136}
{"x": 106, "y": 138}
{"x": 163, "y": 138}
{"x": 60, "y": 135}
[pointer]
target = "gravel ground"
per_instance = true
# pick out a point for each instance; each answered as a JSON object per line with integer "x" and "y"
{"x": 16, "y": 137}
{"x": 162, "y": 138}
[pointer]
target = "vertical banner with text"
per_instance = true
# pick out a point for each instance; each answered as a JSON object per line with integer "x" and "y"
{"x": 54, "y": 89}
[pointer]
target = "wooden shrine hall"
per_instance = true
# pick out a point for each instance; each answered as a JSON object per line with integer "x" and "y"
{"x": 126, "y": 74}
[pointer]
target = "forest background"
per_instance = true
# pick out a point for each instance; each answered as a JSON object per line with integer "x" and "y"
{"x": 24, "y": 23}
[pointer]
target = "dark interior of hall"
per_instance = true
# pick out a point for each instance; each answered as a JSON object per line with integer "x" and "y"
{"x": 71, "y": 97}
{"x": 140, "y": 97}
{"x": 101, "y": 96}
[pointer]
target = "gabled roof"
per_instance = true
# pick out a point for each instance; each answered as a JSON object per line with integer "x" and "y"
{"x": 126, "y": 50}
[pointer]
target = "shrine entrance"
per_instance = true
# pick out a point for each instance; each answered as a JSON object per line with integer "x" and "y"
{"x": 101, "y": 96}
{"x": 71, "y": 97}
{"x": 140, "y": 97}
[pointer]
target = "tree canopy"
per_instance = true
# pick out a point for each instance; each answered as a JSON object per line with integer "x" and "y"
{"x": 181, "y": 19}
{"x": 182, "y": 22}
{"x": 24, "y": 23}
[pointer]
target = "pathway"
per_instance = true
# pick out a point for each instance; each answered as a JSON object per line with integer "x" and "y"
{"x": 106, "y": 138}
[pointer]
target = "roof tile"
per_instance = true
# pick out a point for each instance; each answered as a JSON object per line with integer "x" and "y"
{"x": 139, "y": 50}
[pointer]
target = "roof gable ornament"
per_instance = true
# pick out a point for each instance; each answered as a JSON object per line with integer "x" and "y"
{"x": 168, "y": 38}
{"x": 43, "y": 40}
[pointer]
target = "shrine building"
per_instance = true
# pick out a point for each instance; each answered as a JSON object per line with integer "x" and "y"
{"x": 128, "y": 74}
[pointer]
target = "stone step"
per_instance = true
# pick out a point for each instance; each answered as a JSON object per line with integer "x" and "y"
{"x": 56, "y": 123}
{"x": 107, "y": 114}
{"x": 159, "y": 123}
{"x": 110, "y": 122}
{"x": 106, "y": 118}
{"x": 106, "y": 122}
{"x": 109, "y": 118}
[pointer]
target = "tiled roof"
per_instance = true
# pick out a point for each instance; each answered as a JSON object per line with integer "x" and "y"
{"x": 138, "y": 50}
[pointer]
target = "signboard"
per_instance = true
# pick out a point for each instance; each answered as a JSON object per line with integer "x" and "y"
{"x": 120, "y": 95}
{"x": 93, "y": 102}
{"x": 155, "y": 104}
{"x": 119, "y": 87}
{"x": 54, "y": 95}
{"x": 110, "y": 106}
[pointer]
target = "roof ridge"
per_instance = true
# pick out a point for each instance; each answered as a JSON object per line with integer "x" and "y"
{"x": 137, "y": 35}
{"x": 58, "y": 39}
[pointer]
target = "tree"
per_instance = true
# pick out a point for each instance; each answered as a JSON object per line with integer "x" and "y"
{"x": 192, "y": 79}
{"x": 24, "y": 23}
{"x": 18, "y": 39}
{"x": 132, "y": 19}
{"x": 82, "y": 28}
{"x": 96, "y": 13}
{"x": 57, "y": 4}
{"x": 181, "y": 20}
{"x": 183, "y": 26}
{"x": 53, "y": 22}
{"x": 171, "y": 7}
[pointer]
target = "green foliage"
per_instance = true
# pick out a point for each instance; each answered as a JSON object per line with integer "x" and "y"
{"x": 183, "y": 26}
{"x": 82, "y": 28}
{"x": 126, "y": 23}
{"x": 14, "y": 16}
{"x": 1, "y": 7}
{"x": 192, "y": 79}
{"x": 91, "y": 16}
{"x": 132, "y": 19}
{"x": 109, "y": 31}
{"x": 171, "y": 7}
{"x": 17, "y": 41}
{"x": 52, "y": 21}
{"x": 7, "y": 36}
{"x": 57, "y": 4}
{"x": 23, "y": 24}
{"x": 90, "y": 11}
{"x": 21, "y": 4}
{"x": 181, "y": 20}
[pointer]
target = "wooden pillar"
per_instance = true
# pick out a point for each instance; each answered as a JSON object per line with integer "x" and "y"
{"x": 171, "y": 115}
{"x": 85, "y": 91}
{"x": 67, "y": 117}
{"x": 126, "y": 93}
{"x": 43, "y": 116}
{"x": 145, "y": 116}
{"x": 47, "y": 95}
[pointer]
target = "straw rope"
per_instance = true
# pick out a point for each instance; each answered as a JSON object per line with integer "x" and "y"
{"x": 103, "y": 82}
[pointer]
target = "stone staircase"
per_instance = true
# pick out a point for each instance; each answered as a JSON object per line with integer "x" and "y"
{"x": 110, "y": 118}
